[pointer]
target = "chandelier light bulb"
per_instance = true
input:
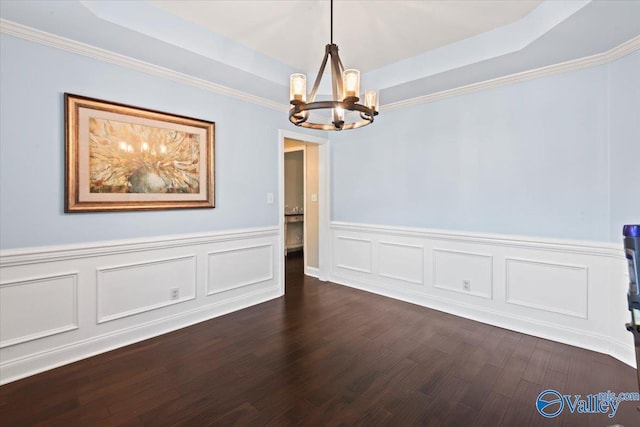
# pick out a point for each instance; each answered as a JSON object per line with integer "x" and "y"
{"x": 351, "y": 81}
{"x": 371, "y": 99}
{"x": 298, "y": 87}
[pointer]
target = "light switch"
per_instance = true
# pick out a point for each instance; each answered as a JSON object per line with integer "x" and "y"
{"x": 270, "y": 198}
{"x": 314, "y": 197}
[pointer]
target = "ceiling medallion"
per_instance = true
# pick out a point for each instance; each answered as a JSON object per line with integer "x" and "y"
{"x": 345, "y": 85}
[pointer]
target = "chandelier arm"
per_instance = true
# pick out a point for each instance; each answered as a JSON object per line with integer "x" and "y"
{"x": 316, "y": 84}
{"x": 336, "y": 74}
{"x": 341, "y": 67}
{"x": 334, "y": 82}
{"x": 336, "y": 86}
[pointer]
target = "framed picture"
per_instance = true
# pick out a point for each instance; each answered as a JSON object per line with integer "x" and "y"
{"x": 120, "y": 157}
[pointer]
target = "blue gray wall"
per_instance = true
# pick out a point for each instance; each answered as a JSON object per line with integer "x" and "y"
{"x": 624, "y": 114}
{"x": 550, "y": 157}
{"x": 33, "y": 80}
{"x": 529, "y": 159}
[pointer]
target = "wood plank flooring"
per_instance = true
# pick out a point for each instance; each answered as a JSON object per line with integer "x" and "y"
{"x": 323, "y": 355}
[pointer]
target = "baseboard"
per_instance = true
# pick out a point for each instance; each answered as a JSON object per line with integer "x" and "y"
{"x": 56, "y": 357}
{"x": 546, "y": 330}
{"x": 623, "y": 351}
{"x": 311, "y": 271}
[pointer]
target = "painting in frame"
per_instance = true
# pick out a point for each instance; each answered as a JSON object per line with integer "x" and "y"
{"x": 120, "y": 157}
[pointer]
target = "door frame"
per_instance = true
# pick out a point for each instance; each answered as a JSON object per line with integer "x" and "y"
{"x": 324, "y": 199}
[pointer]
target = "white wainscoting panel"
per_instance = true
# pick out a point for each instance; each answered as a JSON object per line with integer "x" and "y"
{"x": 120, "y": 292}
{"x": 235, "y": 268}
{"x": 125, "y": 290}
{"x": 568, "y": 291}
{"x": 401, "y": 261}
{"x": 547, "y": 286}
{"x": 53, "y": 298}
{"x": 452, "y": 268}
{"x": 353, "y": 253}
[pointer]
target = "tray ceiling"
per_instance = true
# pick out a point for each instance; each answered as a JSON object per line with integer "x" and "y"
{"x": 405, "y": 49}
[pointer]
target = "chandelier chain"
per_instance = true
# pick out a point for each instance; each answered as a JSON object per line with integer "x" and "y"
{"x": 331, "y": 22}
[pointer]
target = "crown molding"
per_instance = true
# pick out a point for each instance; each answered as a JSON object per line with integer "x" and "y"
{"x": 588, "y": 61}
{"x": 28, "y": 33}
{"x": 48, "y": 39}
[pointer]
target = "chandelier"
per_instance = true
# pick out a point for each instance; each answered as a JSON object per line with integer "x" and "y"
{"x": 345, "y": 85}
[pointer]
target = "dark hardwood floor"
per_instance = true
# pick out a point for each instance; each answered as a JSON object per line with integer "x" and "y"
{"x": 323, "y": 355}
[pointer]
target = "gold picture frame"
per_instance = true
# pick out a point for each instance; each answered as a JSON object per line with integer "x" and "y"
{"x": 120, "y": 157}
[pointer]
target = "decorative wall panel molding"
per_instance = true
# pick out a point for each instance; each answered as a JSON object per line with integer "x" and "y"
{"x": 548, "y": 286}
{"x": 353, "y": 254}
{"x": 53, "y": 308}
{"x": 235, "y": 268}
{"x": 464, "y": 272}
{"x": 568, "y": 291}
{"x": 125, "y": 291}
{"x": 130, "y": 289}
{"x": 402, "y": 262}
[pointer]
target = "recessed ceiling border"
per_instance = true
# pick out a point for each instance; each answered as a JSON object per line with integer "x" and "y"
{"x": 607, "y": 57}
{"x": 31, "y": 34}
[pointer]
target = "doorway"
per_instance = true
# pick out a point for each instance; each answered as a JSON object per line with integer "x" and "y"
{"x": 304, "y": 201}
{"x": 301, "y": 203}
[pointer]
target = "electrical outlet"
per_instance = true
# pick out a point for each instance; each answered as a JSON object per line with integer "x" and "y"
{"x": 466, "y": 285}
{"x": 175, "y": 293}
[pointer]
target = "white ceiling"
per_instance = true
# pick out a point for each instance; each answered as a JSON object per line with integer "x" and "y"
{"x": 405, "y": 49}
{"x": 370, "y": 34}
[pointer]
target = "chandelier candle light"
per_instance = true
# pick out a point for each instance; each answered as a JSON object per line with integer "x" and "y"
{"x": 345, "y": 85}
